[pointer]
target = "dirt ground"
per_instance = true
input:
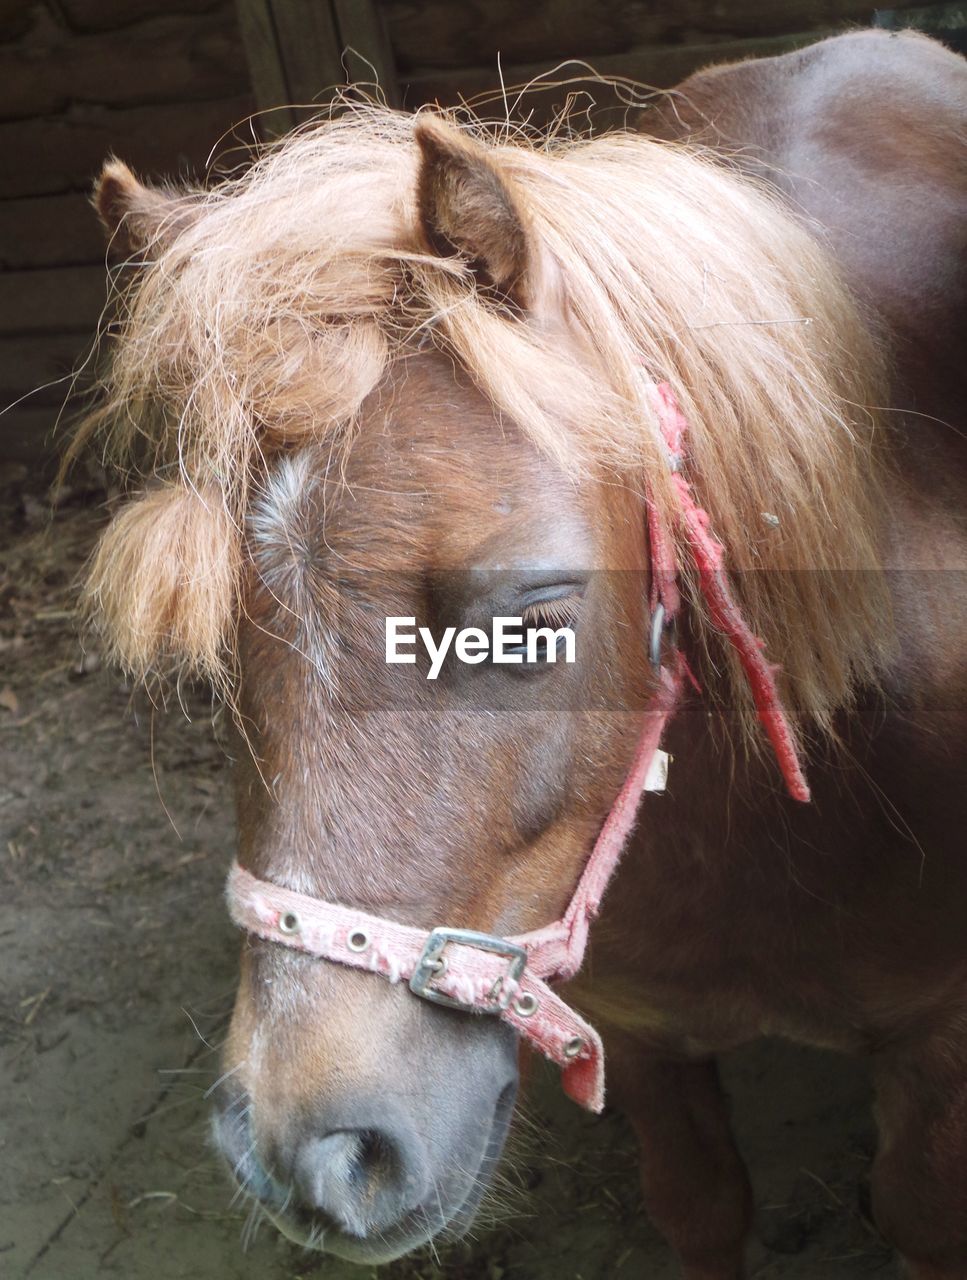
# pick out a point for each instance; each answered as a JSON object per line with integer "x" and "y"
{"x": 117, "y": 965}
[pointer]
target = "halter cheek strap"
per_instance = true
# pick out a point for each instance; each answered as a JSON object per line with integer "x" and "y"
{"x": 509, "y": 977}
{"x": 478, "y": 972}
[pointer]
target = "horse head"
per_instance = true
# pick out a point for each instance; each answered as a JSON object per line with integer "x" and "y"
{"x": 400, "y": 371}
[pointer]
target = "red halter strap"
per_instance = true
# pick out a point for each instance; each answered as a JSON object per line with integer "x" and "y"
{"x": 509, "y": 977}
{"x": 708, "y": 555}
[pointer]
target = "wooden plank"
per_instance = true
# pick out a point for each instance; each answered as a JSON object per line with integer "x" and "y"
{"x": 65, "y": 152}
{"x": 441, "y": 34}
{"x": 15, "y": 18}
{"x": 46, "y": 231}
{"x": 300, "y": 51}
{"x": 167, "y": 59}
{"x": 266, "y": 71}
{"x": 366, "y": 51}
{"x": 293, "y": 54}
{"x": 64, "y": 299}
{"x": 309, "y": 50}
{"x": 43, "y": 367}
{"x": 657, "y": 68}
{"x": 110, "y": 15}
{"x": 35, "y": 434}
{"x": 438, "y": 34}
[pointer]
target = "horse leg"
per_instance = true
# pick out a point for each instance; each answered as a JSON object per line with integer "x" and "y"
{"x": 695, "y": 1186}
{"x": 920, "y": 1171}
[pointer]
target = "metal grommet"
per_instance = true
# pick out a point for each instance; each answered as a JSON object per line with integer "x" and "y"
{"x": 288, "y": 922}
{"x": 526, "y": 1005}
{"x": 573, "y": 1047}
{"x": 358, "y": 940}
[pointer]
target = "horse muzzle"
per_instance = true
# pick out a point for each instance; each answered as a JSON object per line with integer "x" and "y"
{"x": 373, "y": 1174}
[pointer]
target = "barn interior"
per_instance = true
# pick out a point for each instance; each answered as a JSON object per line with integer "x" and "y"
{"x": 116, "y": 826}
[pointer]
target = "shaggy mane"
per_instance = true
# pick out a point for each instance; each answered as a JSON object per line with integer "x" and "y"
{"x": 290, "y": 291}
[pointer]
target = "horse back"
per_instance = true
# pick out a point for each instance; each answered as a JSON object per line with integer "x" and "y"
{"x": 865, "y": 135}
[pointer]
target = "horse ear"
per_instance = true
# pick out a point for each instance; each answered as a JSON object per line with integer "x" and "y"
{"x": 466, "y": 206}
{"x": 136, "y": 216}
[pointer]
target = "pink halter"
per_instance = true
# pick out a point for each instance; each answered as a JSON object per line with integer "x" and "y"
{"x": 509, "y": 977}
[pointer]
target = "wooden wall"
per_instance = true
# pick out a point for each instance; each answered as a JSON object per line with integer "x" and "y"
{"x": 445, "y": 49}
{"x": 157, "y": 82}
{"x": 162, "y": 82}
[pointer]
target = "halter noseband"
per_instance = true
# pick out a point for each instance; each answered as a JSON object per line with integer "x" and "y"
{"x": 509, "y": 977}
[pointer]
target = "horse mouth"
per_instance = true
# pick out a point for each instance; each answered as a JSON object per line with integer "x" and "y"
{"x": 451, "y": 1222}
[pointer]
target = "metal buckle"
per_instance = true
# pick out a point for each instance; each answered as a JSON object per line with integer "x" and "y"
{"x": 660, "y": 623}
{"x": 433, "y": 962}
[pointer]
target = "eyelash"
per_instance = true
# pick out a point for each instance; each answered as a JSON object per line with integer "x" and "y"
{"x": 551, "y": 613}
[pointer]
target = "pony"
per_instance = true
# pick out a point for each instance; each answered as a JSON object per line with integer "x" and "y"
{"x": 405, "y": 366}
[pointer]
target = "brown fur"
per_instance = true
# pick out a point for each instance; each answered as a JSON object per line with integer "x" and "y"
{"x": 384, "y": 436}
{"x": 138, "y": 217}
{"x": 465, "y": 205}
{"x": 276, "y": 311}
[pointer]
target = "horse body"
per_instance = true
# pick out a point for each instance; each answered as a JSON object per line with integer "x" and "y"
{"x": 909, "y": 269}
{"x": 840, "y": 924}
{"x": 735, "y": 913}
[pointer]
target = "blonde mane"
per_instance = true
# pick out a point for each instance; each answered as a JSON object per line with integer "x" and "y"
{"x": 288, "y": 293}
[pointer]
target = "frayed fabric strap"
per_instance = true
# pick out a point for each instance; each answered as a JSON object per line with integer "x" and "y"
{"x": 708, "y": 555}
{"x": 477, "y": 978}
{"x": 510, "y": 977}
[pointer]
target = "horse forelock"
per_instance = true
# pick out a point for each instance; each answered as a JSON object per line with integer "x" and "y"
{"x": 268, "y": 321}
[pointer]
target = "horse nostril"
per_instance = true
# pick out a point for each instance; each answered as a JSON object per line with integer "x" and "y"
{"x": 360, "y": 1178}
{"x": 375, "y": 1157}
